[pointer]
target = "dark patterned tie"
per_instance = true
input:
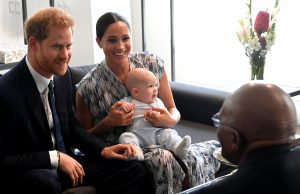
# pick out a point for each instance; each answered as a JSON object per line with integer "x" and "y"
{"x": 58, "y": 136}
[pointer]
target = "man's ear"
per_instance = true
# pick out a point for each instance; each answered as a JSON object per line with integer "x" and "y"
{"x": 32, "y": 43}
{"x": 235, "y": 140}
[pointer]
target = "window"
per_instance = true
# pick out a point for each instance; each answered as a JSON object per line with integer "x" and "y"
{"x": 207, "y": 50}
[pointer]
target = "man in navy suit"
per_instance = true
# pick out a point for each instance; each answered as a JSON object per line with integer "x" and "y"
{"x": 256, "y": 128}
{"x": 29, "y": 159}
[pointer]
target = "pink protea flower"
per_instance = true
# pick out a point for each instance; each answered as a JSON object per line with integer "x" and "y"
{"x": 261, "y": 24}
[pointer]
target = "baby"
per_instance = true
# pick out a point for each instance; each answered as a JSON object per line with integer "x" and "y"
{"x": 143, "y": 87}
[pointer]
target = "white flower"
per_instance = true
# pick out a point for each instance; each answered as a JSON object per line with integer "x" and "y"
{"x": 254, "y": 44}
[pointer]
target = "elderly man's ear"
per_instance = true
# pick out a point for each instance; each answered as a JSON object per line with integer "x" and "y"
{"x": 236, "y": 140}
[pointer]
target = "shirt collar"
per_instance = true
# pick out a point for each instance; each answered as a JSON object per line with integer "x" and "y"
{"x": 40, "y": 81}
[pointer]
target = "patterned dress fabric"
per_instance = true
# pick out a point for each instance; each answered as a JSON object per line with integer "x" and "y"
{"x": 100, "y": 89}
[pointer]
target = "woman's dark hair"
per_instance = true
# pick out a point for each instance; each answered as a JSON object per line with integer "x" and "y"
{"x": 106, "y": 20}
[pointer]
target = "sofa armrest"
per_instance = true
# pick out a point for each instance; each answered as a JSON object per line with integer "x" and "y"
{"x": 197, "y": 103}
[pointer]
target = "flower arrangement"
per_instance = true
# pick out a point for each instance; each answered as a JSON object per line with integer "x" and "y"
{"x": 259, "y": 39}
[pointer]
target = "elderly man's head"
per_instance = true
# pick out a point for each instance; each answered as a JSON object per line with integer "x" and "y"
{"x": 256, "y": 115}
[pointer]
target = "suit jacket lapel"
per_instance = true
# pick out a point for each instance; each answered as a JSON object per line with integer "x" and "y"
{"x": 33, "y": 98}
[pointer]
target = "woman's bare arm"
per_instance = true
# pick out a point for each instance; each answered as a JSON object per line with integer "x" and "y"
{"x": 114, "y": 118}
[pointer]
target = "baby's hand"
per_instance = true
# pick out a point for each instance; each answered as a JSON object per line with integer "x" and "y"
{"x": 126, "y": 107}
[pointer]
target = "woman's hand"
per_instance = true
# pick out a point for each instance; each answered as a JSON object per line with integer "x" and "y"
{"x": 118, "y": 117}
{"x": 119, "y": 151}
{"x": 160, "y": 117}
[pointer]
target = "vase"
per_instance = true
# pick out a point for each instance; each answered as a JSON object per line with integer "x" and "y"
{"x": 257, "y": 63}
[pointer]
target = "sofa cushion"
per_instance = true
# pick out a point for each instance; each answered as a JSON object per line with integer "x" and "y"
{"x": 199, "y": 132}
{"x": 197, "y": 103}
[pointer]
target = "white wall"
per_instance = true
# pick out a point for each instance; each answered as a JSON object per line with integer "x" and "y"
{"x": 33, "y": 5}
{"x": 158, "y": 30}
{"x": 11, "y": 22}
{"x": 136, "y": 25}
